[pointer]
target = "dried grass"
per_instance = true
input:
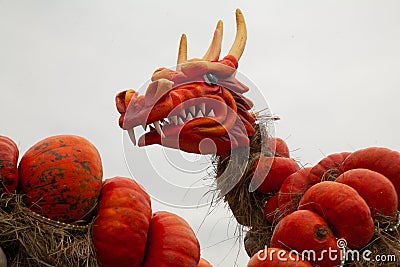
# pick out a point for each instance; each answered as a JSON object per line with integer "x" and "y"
{"x": 29, "y": 241}
{"x": 233, "y": 175}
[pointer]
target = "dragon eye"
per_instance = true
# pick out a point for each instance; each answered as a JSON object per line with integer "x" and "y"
{"x": 210, "y": 79}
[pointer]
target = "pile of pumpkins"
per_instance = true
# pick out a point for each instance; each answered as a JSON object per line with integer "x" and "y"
{"x": 62, "y": 180}
{"x": 342, "y": 197}
{"x": 310, "y": 208}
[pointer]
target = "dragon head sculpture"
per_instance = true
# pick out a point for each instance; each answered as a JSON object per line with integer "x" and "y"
{"x": 197, "y": 108}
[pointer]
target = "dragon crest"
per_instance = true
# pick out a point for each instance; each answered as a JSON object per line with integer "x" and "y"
{"x": 197, "y": 108}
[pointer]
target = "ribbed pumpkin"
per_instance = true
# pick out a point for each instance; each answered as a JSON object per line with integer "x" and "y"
{"x": 292, "y": 190}
{"x": 378, "y": 159}
{"x": 377, "y": 191}
{"x": 272, "y": 172}
{"x": 61, "y": 177}
{"x": 343, "y": 209}
{"x": 8, "y": 165}
{"x": 203, "y": 263}
{"x": 120, "y": 229}
{"x": 327, "y": 167}
{"x": 280, "y": 146}
{"x": 271, "y": 208}
{"x": 171, "y": 242}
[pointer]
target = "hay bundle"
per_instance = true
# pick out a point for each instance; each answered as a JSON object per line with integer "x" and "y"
{"x": 29, "y": 240}
{"x": 233, "y": 175}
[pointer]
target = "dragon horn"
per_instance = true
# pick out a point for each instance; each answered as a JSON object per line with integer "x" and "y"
{"x": 215, "y": 47}
{"x": 182, "y": 54}
{"x": 241, "y": 36}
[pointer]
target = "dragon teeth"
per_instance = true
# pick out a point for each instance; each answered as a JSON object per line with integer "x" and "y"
{"x": 174, "y": 119}
{"x": 202, "y": 107}
{"x": 131, "y": 134}
{"x": 199, "y": 114}
{"x": 192, "y": 110}
{"x": 158, "y": 129}
{"x": 183, "y": 113}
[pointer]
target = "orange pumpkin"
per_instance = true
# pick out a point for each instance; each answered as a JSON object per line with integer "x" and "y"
{"x": 343, "y": 208}
{"x": 304, "y": 230}
{"x": 292, "y": 190}
{"x": 171, "y": 242}
{"x": 280, "y": 146}
{"x": 8, "y": 165}
{"x": 120, "y": 229}
{"x": 378, "y": 159}
{"x": 272, "y": 171}
{"x": 271, "y": 208}
{"x": 327, "y": 166}
{"x": 377, "y": 191}
{"x": 203, "y": 263}
{"x": 61, "y": 177}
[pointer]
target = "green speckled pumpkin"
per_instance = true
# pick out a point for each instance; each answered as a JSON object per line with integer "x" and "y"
{"x": 61, "y": 177}
{"x": 8, "y": 165}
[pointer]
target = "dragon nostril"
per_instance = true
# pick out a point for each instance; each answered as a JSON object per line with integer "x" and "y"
{"x": 210, "y": 79}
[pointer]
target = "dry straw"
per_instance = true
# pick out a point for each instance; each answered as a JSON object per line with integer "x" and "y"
{"x": 29, "y": 240}
{"x": 236, "y": 172}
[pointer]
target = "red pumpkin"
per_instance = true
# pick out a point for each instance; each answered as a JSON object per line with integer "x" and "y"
{"x": 374, "y": 188}
{"x": 61, "y": 177}
{"x": 271, "y": 208}
{"x": 327, "y": 166}
{"x": 279, "y": 146}
{"x": 292, "y": 190}
{"x": 344, "y": 209}
{"x": 276, "y": 257}
{"x": 8, "y": 165}
{"x": 271, "y": 172}
{"x": 120, "y": 229}
{"x": 171, "y": 242}
{"x": 304, "y": 230}
{"x": 378, "y": 159}
{"x": 203, "y": 263}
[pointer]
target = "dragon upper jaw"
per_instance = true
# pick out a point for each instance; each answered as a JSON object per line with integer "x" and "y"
{"x": 172, "y": 119}
{"x": 167, "y": 130}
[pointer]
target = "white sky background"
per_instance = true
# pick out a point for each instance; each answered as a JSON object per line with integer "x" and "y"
{"x": 329, "y": 69}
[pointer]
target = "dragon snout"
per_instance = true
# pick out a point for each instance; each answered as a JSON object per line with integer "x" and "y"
{"x": 124, "y": 98}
